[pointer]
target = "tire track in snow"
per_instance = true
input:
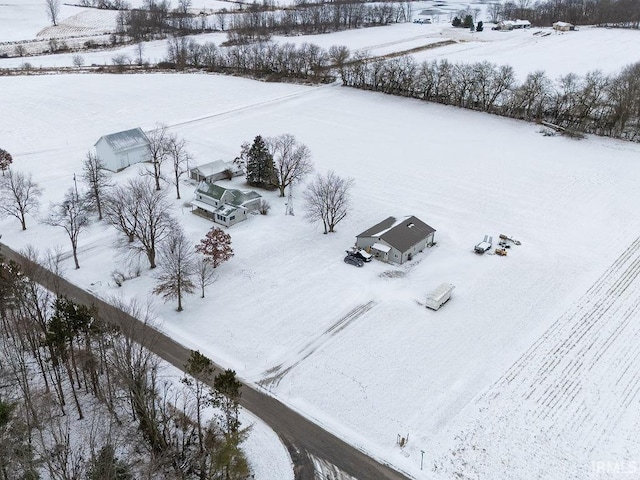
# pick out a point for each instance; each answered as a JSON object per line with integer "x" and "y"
{"x": 274, "y": 375}
{"x": 244, "y": 108}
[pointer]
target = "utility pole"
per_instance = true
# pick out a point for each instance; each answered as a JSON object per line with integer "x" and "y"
{"x": 76, "y": 184}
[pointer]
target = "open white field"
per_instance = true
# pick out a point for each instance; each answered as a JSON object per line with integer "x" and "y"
{"x": 354, "y": 348}
{"x": 24, "y": 19}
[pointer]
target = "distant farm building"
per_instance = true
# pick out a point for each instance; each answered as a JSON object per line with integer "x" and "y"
{"x": 213, "y": 171}
{"x": 507, "y": 25}
{"x": 395, "y": 240}
{"x": 563, "y": 26}
{"x": 119, "y": 150}
{"x": 226, "y": 206}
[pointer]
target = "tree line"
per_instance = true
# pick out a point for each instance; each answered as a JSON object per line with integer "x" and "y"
{"x": 83, "y": 397}
{"x": 270, "y": 60}
{"x": 622, "y": 13}
{"x": 607, "y": 105}
{"x": 259, "y": 20}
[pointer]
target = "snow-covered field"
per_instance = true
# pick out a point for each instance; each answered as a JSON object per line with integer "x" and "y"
{"x": 526, "y": 51}
{"x": 354, "y": 348}
{"x": 532, "y": 368}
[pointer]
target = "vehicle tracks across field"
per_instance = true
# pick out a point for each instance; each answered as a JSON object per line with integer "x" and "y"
{"x": 274, "y": 375}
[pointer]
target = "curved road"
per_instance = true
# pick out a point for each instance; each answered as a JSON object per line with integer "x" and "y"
{"x": 301, "y": 436}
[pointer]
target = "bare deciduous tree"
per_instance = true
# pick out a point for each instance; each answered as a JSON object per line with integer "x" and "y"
{"x": 72, "y": 215}
{"x": 121, "y": 209}
{"x": 78, "y": 60}
{"x": 292, "y": 159}
{"x": 177, "y": 151}
{"x": 19, "y": 195}
{"x": 5, "y": 160}
{"x": 154, "y": 219}
{"x": 205, "y": 273}
{"x": 53, "y": 10}
{"x": 328, "y": 200}
{"x": 97, "y": 179}
{"x": 142, "y": 214}
{"x": 157, "y": 150}
{"x": 177, "y": 267}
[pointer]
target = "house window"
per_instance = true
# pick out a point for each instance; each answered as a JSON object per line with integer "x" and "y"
{"x": 232, "y": 217}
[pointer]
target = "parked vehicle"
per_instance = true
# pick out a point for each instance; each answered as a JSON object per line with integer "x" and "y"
{"x": 353, "y": 260}
{"x": 360, "y": 253}
{"x": 484, "y": 246}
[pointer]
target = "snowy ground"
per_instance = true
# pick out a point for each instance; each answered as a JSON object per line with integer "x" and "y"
{"x": 526, "y": 51}
{"x": 354, "y": 348}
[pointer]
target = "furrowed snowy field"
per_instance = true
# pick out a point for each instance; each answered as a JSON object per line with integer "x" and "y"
{"x": 534, "y": 359}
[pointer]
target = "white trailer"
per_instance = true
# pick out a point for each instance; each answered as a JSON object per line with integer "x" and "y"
{"x": 439, "y": 296}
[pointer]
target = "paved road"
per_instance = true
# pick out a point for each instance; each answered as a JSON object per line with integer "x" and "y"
{"x": 300, "y": 436}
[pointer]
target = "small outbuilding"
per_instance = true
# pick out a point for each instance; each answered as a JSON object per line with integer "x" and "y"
{"x": 563, "y": 27}
{"x": 226, "y": 206}
{"x": 396, "y": 241}
{"x": 507, "y": 25}
{"x": 119, "y": 150}
{"x": 439, "y": 296}
{"x": 213, "y": 171}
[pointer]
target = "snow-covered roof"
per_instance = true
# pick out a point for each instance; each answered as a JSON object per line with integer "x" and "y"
{"x": 125, "y": 140}
{"x": 401, "y": 234}
{"x": 237, "y": 197}
{"x": 563, "y": 24}
{"x": 211, "y": 168}
{"x": 381, "y": 247}
{"x": 440, "y": 292}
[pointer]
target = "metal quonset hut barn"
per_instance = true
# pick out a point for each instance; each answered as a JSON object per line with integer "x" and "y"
{"x": 119, "y": 150}
{"x": 396, "y": 241}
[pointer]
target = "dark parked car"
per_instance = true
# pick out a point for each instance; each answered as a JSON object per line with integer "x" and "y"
{"x": 360, "y": 253}
{"x": 353, "y": 260}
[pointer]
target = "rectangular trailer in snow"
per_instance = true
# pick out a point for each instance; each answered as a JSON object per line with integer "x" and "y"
{"x": 439, "y": 296}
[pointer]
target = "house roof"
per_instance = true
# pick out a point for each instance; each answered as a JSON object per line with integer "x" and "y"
{"x": 211, "y": 168}
{"x": 236, "y": 197}
{"x": 563, "y": 24}
{"x": 400, "y": 234}
{"x": 125, "y": 140}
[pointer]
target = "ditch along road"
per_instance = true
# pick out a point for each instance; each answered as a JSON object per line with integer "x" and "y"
{"x": 303, "y": 439}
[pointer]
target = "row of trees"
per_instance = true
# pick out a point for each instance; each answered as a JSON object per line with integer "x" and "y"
{"x": 624, "y": 13}
{"x": 268, "y": 59}
{"x": 259, "y": 20}
{"x": 595, "y": 103}
{"x": 258, "y": 24}
{"x": 59, "y": 357}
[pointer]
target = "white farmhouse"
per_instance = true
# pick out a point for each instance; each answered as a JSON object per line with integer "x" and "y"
{"x": 226, "y": 206}
{"x": 119, "y": 150}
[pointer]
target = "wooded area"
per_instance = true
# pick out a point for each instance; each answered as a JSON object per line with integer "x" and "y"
{"x": 79, "y": 399}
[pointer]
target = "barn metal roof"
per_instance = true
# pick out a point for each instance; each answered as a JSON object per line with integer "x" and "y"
{"x": 125, "y": 140}
{"x": 400, "y": 234}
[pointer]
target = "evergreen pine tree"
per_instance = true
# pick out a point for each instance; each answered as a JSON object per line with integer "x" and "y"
{"x": 261, "y": 170}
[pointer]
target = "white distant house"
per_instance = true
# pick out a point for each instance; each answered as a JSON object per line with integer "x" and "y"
{"x": 226, "y": 206}
{"x": 119, "y": 150}
{"x": 218, "y": 170}
{"x": 507, "y": 25}
{"x": 396, "y": 240}
{"x": 563, "y": 26}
